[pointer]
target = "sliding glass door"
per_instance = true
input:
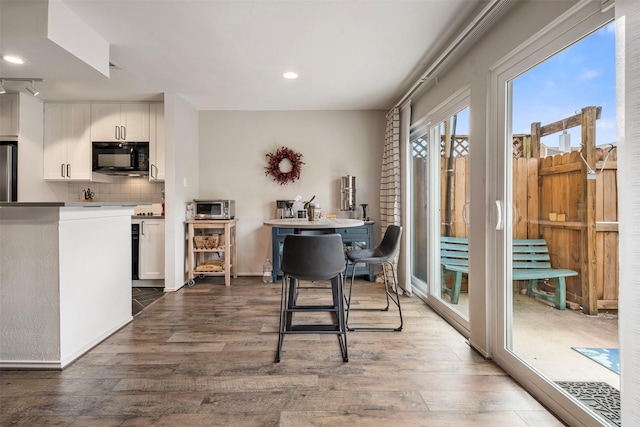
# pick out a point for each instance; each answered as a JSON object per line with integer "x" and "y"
{"x": 440, "y": 209}
{"x": 554, "y": 222}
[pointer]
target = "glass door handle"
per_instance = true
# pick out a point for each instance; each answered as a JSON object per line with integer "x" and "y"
{"x": 499, "y": 222}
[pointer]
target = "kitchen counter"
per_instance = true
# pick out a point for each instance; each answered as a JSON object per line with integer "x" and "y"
{"x": 65, "y": 280}
{"x": 69, "y": 204}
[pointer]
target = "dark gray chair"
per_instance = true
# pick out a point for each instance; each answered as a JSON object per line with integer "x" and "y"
{"x": 312, "y": 258}
{"x": 384, "y": 255}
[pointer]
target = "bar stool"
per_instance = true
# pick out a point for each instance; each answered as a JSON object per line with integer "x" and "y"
{"x": 384, "y": 255}
{"x": 313, "y": 258}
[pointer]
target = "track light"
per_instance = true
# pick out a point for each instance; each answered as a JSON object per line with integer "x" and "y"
{"x": 32, "y": 89}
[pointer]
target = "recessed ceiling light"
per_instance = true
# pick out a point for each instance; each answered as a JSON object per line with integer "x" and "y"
{"x": 290, "y": 75}
{"x": 13, "y": 59}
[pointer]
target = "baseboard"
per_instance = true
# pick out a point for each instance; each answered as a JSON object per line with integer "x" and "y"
{"x": 72, "y": 357}
{"x": 67, "y": 360}
{"x": 31, "y": 364}
{"x": 147, "y": 283}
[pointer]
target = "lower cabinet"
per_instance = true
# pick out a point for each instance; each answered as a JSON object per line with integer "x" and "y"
{"x": 151, "y": 258}
{"x": 352, "y": 238}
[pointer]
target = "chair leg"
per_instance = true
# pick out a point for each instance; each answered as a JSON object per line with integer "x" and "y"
{"x": 288, "y": 304}
{"x": 342, "y": 322}
{"x": 560, "y": 296}
{"x": 388, "y": 295}
{"x": 283, "y": 317}
{"x": 397, "y": 295}
{"x": 349, "y": 297}
{"x": 455, "y": 287}
{"x": 385, "y": 308}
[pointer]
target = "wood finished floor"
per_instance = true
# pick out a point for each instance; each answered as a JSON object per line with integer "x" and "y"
{"x": 204, "y": 356}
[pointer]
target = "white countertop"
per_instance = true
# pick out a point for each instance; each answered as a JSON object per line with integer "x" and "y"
{"x": 321, "y": 223}
{"x": 70, "y": 204}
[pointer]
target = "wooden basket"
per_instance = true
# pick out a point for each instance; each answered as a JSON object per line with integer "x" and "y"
{"x": 205, "y": 242}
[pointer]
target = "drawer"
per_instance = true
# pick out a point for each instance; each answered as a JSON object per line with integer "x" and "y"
{"x": 354, "y": 231}
{"x": 282, "y": 231}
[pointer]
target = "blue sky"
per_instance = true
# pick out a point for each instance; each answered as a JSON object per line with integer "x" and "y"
{"x": 579, "y": 76}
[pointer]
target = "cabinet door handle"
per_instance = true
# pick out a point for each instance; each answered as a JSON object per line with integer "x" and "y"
{"x": 62, "y": 170}
{"x": 68, "y": 170}
{"x": 117, "y": 132}
{"x": 124, "y": 133}
{"x": 142, "y": 228}
{"x": 152, "y": 174}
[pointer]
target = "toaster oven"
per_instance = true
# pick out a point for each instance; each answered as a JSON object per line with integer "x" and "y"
{"x": 215, "y": 209}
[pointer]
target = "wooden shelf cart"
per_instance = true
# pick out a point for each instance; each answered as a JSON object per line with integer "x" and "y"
{"x": 198, "y": 254}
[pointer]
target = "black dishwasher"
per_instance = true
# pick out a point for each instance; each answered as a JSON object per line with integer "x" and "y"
{"x": 135, "y": 250}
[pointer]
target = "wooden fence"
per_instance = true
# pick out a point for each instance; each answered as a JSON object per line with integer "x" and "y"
{"x": 569, "y": 199}
{"x": 586, "y": 239}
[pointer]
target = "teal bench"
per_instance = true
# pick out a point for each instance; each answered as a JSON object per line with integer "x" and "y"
{"x": 530, "y": 262}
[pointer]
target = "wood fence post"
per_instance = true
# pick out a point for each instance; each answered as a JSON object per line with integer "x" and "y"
{"x": 588, "y": 230}
{"x": 533, "y": 198}
{"x": 534, "y": 149}
{"x": 526, "y": 146}
{"x": 447, "y": 137}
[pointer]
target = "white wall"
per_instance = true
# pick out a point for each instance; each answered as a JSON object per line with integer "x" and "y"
{"x": 233, "y": 149}
{"x": 29, "y": 299}
{"x": 181, "y": 183}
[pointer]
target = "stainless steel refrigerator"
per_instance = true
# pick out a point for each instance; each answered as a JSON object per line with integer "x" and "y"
{"x": 8, "y": 171}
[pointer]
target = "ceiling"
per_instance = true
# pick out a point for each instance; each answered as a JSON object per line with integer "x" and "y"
{"x": 230, "y": 55}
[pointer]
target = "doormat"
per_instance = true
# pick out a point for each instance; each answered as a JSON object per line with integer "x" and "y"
{"x": 607, "y": 357}
{"x": 600, "y": 397}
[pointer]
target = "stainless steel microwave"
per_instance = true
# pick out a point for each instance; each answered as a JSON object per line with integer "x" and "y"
{"x": 121, "y": 158}
{"x": 215, "y": 209}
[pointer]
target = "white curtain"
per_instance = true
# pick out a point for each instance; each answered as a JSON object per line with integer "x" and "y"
{"x": 390, "y": 175}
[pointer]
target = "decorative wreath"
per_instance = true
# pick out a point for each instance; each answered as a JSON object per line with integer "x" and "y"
{"x": 279, "y": 165}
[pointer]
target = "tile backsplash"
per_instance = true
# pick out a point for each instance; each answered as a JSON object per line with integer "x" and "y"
{"x": 126, "y": 189}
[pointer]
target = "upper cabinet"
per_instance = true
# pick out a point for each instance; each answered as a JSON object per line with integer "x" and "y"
{"x": 120, "y": 122}
{"x": 9, "y": 114}
{"x": 67, "y": 142}
{"x": 156, "y": 143}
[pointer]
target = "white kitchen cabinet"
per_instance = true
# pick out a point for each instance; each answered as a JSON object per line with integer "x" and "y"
{"x": 9, "y": 114}
{"x": 67, "y": 142}
{"x": 151, "y": 256}
{"x": 120, "y": 122}
{"x": 156, "y": 143}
